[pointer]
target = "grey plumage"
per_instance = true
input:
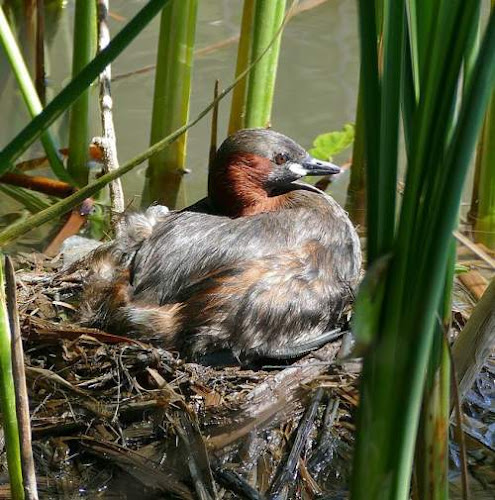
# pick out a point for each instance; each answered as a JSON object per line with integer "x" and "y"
{"x": 256, "y": 285}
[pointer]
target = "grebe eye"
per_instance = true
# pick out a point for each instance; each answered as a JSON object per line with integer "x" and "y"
{"x": 280, "y": 159}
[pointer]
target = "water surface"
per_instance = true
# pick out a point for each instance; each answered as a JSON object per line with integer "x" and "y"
{"x": 315, "y": 92}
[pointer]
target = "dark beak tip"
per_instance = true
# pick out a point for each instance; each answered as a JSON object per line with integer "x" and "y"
{"x": 319, "y": 167}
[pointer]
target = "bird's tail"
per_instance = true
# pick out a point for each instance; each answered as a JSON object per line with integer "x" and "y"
{"x": 107, "y": 298}
{"x": 135, "y": 228}
{"x": 108, "y": 304}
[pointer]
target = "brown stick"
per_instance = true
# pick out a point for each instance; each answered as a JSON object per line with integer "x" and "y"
{"x": 108, "y": 141}
{"x": 474, "y": 343}
{"x": 214, "y": 127}
{"x": 281, "y": 486}
{"x": 72, "y": 226}
{"x": 475, "y": 282}
{"x": 40, "y": 51}
{"x": 476, "y": 249}
{"x": 196, "y": 456}
{"x": 43, "y": 185}
{"x": 232, "y": 481}
{"x": 21, "y": 395}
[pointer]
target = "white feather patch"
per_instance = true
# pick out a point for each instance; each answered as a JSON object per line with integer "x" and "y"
{"x": 297, "y": 169}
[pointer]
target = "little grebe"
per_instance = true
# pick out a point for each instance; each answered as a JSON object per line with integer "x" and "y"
{"x": 262, "y": 267}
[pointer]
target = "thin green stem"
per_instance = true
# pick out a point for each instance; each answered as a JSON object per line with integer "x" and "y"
{"x": 356, "y": 192}
{"x": 31, "y": 201}
{"x": 386, "y": 176}
{"x": 29, "y": 95}
{"x": 7, "y": 398}
{"x": 371, "y": 93}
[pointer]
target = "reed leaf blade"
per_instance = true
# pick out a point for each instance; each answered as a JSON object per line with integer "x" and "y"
{"x": 7, "y": 397}
{"x": 29, "y": 95}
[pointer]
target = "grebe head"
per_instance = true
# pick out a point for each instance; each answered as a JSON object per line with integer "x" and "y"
{"x": 254, "y": 164}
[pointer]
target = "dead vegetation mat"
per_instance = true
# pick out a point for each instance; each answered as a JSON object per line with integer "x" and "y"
{"x": 113, "y": 417}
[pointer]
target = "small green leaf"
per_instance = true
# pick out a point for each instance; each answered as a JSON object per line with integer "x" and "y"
{"x": 98, "y": 226}
{"x": 460, "y": 269}
{"x": 332, "y": 143}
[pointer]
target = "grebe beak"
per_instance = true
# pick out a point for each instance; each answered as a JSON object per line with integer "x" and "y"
{"x": 312, "y": 166}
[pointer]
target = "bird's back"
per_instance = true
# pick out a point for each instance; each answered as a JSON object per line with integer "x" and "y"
{"x": 264, "y": 285}
{"x": 188, "y": 245}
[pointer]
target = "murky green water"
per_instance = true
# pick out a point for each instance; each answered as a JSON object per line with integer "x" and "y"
{"x": 316, "y": 85}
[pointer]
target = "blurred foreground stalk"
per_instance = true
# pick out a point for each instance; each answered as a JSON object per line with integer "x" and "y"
{"x": 439, "y": 149}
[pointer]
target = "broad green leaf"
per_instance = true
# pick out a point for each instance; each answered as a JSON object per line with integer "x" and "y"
{"x": 332, "y": 143}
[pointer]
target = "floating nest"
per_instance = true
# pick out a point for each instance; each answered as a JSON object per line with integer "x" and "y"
{"x": 113, "y": 417}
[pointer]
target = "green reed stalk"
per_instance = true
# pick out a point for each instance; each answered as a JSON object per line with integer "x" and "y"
{"x": 171, "y": 102}
{"x": 78, "y": 85}
{"x": 252, "y": 106}
{"x": 29, "y": 94}
{"x": 438, "y": 159}
{"x": 83, "y": 52}
{"x": 238, "y": 107}
{"x": 356, "y": 191}
{"x": 484, "y": 226}
{"x": 7, "y": 398}
{"x": 431, "y": 464}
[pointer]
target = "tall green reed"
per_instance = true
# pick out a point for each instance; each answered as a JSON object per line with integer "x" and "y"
{"x": 7, "y": 397}
{"x": 253, "y": 98}
{"x": 171, "y": 102}
{"x": 439, "y": 150}
{"x": 83, "y": 52}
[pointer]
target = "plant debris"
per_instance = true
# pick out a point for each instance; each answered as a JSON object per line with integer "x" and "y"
{"x": 114, "y": 417}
